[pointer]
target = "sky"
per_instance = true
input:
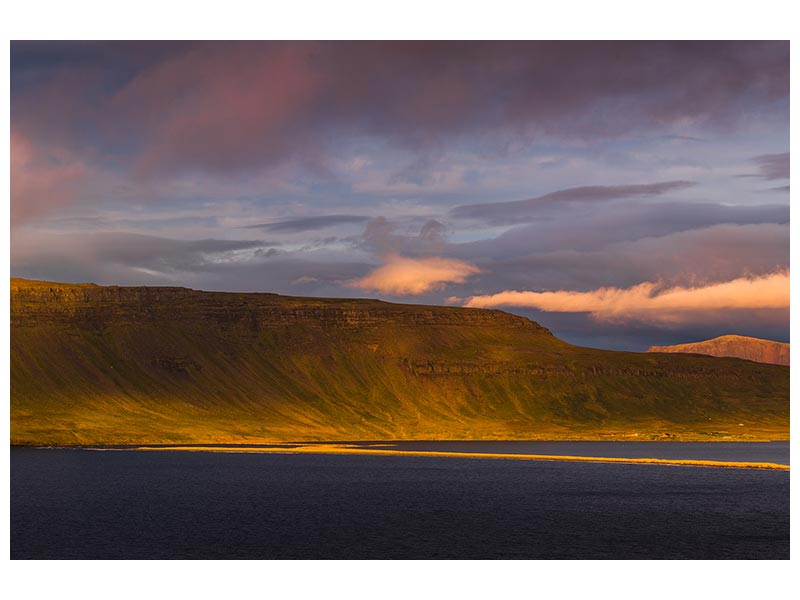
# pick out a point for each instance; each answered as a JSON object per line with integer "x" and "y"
{"x": 622, "y": 194}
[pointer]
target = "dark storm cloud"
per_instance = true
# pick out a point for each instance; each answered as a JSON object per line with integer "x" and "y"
{"x": 309, "y": 223}
{"x": 514, "y": 212}
{"x": 773, "y": 166}
{"x": 31, "y": 59}
{"x": 232, "y": 106}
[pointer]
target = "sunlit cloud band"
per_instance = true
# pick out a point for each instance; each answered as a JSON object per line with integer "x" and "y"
{"x": 651, "y": 302}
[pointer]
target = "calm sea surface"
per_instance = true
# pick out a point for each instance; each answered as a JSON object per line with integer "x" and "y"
{"x": 164, "y": 505}
{"x": 776, "y": 452}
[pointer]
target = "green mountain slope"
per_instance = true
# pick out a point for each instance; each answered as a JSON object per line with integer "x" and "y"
{"x": 93, "y": 364}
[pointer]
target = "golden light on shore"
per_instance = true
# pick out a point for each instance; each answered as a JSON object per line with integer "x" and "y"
{"x": 360, "y": 450}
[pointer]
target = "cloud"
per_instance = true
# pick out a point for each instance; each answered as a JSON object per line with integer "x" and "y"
{"x": 513, "y": 212}
{"x": 188, "y": 143}
{"x": 380, "y": 236}
{"x": 402, "y": 276}
{"x": 716, "y": 253}
{"x": 433, "y": 232}
{"x": 209, "y": 264}
{"x": 228, "y": 107}
{"x": 42, "y": 179}
{"x": 582, "y": 228}
{"x": 33, "y": 251}
{"x": 649, "y": 301}
{"x": 309, "y": 223}
{"x": 773, "y": 166}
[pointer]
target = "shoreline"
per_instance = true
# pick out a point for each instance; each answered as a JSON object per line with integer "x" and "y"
{"x": 360, "y": 451}
{"x": 625, "y": 438}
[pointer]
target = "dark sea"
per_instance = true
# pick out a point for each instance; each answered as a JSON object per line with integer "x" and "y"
{"x": 123, "y": 504}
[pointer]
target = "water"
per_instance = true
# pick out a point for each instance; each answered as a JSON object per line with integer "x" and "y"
{"x": 150, "y": 505}
{"x": 775, "y": 452}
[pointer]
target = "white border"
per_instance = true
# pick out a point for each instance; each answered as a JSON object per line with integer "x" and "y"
{"x": 411, "y": 19}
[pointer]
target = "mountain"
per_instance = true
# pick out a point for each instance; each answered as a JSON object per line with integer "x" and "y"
{"x": 127, "y": 365}
{"x": 738, "y": 346}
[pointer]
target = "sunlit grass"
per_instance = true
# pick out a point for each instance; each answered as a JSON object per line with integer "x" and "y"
{"x": 93, "y": 365}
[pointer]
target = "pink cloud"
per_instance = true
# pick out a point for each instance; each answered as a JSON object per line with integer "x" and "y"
{"x": 221, "y": 107}
{"x": 41, "y": 178}
{"x": 649, "y": 302}
{"x": 403, "y": 276}
{"x": 234, "y": 106}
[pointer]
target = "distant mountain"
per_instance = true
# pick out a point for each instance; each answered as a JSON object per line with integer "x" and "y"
{"x": 737, "y": 346}
{"x": 128, "y": 365}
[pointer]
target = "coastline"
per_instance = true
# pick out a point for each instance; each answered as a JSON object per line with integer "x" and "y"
{"x": 77, "y": 441}
{"x": 363, "y": 451}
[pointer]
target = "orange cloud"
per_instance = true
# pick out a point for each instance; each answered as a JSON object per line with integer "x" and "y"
{"x": 403, "y": 276}
{"x": 647, "y": 301}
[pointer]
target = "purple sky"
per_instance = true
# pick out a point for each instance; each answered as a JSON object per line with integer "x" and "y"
{"x": 649, "y": 180}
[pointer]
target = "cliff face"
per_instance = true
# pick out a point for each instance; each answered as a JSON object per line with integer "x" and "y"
{"x": 35, "y": 303}
{"x": 738, "y": 346}
{"x": 93, "y": 364}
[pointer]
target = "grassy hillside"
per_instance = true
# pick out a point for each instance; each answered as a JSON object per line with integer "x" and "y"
{"x": 93, "y": 364}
